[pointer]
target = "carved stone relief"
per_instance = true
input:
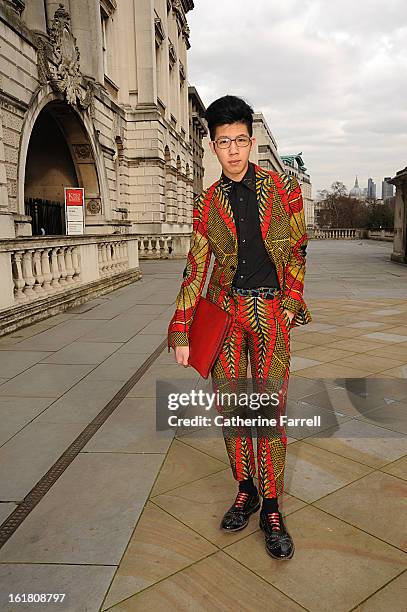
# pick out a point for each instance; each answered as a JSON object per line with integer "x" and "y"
{"x": 82, "y": 152}
{"x": 93, "y": 207}
{"x": 58, "y": 62}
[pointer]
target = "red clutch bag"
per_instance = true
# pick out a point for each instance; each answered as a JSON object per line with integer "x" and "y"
{"x": 207, "y": 333}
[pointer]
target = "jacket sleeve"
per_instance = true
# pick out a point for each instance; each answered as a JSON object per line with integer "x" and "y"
{"x": 194, "y": 274}
{"x": 295, "y": 268}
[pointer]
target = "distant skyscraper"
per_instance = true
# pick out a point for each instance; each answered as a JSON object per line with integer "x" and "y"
{"x": 387, "y": 188}
{"x": 371, "y": 189}
{"x": 356, "y": 191}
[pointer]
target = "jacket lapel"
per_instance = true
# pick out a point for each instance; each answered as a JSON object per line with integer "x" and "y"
{"x": 263, "y": 193}
{"x": 264, "y": 199}
{"x": 222, "y": 203}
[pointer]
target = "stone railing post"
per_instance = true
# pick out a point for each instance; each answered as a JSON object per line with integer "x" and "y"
{"x": 28, "y": 273}
{"x": 54, "y": 268}
{"x": 38, "y": 275}
{"x": 46, "y": 270}
{"x": 62, "y": 266}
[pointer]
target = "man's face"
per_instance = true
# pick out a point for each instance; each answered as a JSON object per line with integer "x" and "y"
{"x": 234, "y": 159}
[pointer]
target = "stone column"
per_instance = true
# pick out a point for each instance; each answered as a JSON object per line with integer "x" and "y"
{"x": 34, "y": 16}
{"x": 87, "y": 29}
{"x": 400, "y": 217}
{"x": 6, "y": 219}
{"x": 145, "y": 53}
{"x": 3, "y": 173}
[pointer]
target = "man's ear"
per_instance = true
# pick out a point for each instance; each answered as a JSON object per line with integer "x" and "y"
{"x": 212, "y": 147}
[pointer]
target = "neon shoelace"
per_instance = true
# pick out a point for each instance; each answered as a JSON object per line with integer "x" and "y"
{"x": 241, "y": 498}
{"x": 274, "y": 519}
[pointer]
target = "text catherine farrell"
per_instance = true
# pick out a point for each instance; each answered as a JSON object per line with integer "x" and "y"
{"x": 237, "y": 421}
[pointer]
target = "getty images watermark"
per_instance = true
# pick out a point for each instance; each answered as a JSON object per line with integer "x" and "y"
{"x": 340, "y": 407}
{"x": 249, "y": 401}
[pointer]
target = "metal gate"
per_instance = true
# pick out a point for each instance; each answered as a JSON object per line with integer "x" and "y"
{"x": 48, "y": 218}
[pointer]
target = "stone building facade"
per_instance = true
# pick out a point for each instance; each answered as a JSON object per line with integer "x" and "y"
{"x": 198, "y": 131}
{"x": 94, "y": 94}
{"x": 294, "y": 165}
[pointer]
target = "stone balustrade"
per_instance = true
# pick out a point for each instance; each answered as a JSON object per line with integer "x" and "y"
{"x": 157, "y": 246}
{"x": 38, "y": 272}
{"x": 44, "y": 275}
{"x": 112, "y": 257}
{"x": 345, "y": 233}
{"x": 381, "y": 234}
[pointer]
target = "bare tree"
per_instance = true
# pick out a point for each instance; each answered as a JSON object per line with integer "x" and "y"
{"x": 339, "y": 209}
{"x": 339, "y": 189}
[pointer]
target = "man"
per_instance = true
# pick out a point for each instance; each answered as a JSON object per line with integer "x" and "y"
{"x": 252, "y": 220}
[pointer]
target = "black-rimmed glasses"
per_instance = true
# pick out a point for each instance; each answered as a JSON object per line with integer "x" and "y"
{"x": 224, "y": 142}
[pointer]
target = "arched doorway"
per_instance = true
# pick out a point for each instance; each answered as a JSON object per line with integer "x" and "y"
{"x": 59, "y": 155}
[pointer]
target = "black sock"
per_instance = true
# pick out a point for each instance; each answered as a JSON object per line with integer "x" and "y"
{"x": 247, "y": 486}
{"x": 270, "y": 504}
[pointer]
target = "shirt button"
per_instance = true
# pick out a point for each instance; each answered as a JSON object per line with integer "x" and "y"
{"x": 244, "y": 240}
{"x": 241, "y": 276}
{"x": 241, "y": 199}
{"x": 244, "y": 261}
{"x": 242, "y": 219}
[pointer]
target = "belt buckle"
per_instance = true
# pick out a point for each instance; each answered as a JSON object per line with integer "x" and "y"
{"x": 269, "y": 292}
{"x": 263, "y": 291}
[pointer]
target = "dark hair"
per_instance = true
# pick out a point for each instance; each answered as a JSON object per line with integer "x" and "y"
{"x": 229, "y": 109}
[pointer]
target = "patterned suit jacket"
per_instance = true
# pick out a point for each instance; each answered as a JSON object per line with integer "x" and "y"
{"x": 283, "y": 230}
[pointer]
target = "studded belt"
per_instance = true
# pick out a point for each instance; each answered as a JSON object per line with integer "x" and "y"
{"x": 267, "y": 293}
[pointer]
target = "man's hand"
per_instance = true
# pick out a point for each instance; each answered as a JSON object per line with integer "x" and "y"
{"x": 182, "y": 355}
{"x": 289, "y": 314}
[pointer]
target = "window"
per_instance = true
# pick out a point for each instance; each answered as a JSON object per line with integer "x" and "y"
{"x": 105, "y": 22}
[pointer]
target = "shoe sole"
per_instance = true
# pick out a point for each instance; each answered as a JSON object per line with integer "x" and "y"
{"x": 243, "y": 526}
{"x": 278, "y": 558}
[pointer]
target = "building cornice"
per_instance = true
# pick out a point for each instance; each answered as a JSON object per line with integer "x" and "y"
{"x": 159, "y": 30}
{"x": 180, "y": 8}
{"x": 199, "y": 124}
{"x": 188, "y": 5}
{"x": 401, "y": 177}
{"x": 109, "y": 6}
{"x": 194, "y": 95}
{"x": 17, "y": 5}
{"x": 172, "y": 54}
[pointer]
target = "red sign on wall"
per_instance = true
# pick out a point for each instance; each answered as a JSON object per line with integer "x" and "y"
{"x": 74, "y": 210}
{"x": 74, "y": 196}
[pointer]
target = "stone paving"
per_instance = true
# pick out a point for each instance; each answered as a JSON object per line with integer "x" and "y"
{"x": 133, "y": 521}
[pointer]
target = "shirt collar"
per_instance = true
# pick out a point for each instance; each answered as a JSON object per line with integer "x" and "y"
{"x": 249, "y": 179}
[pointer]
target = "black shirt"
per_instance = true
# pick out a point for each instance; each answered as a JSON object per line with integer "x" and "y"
{"x": 255, "y": 267}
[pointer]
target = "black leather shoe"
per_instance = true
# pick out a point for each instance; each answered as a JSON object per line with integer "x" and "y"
{"x": 279, "y": 543}
{"x": 237, "y": 517}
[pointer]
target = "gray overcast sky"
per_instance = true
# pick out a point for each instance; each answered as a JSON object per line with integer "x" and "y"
{"x": 330, "y": 78}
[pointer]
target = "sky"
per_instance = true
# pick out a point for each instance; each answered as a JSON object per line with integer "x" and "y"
{"x": 330, "y": 78}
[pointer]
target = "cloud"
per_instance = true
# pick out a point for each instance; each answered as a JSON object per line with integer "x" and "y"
{"x": 330, "y": 78}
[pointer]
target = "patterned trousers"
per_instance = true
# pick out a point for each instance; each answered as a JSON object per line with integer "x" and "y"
{"x": 260, "y": 331}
